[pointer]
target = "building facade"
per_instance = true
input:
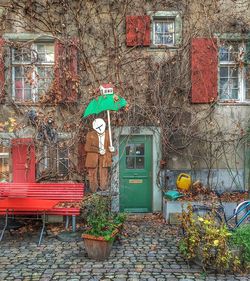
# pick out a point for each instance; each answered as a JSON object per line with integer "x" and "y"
{"x": 183, "y": 67}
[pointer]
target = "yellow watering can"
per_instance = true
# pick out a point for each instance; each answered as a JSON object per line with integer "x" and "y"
{"x": 183, "y": 182}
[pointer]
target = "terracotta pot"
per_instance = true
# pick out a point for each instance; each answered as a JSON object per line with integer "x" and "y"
{"x": 97, "y": 247}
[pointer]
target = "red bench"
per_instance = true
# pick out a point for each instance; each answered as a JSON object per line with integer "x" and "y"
{"x": 63, "y": 192}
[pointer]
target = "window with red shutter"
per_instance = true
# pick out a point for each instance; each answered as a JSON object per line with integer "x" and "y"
{"x": 23, "y": 160}
{"x": 204, "y": 72}
{"x": 138, "y": 30}
{"x": 66, "y": 75}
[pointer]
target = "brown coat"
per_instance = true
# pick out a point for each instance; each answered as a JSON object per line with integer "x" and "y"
{"x": 92, "y": 150}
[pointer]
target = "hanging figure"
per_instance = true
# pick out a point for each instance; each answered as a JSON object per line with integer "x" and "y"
{"x": 99, "y": 157}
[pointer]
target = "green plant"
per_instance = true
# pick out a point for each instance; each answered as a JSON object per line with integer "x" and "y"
{"x": 241, "y": 239}
{"x": 100, "y": 221}
{"x": 207, "y": 242}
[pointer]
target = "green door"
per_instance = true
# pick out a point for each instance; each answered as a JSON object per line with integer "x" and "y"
{"x": 135, "y": 172}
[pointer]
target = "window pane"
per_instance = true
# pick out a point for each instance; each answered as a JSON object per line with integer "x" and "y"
{"x": 223, "y": 72}
{"x": 139, "y": 149}
{"x": 27, "y": 94}
{"x": 130, "y": 149}
{"x": 18, "y": 72}
{"x": 139, "y": 162}
{"x": 130, "y": 162}
{"x": 4, "y": 164}
{"x": 63, "y": 161}
{"x": 45, "y": 53}
{"x": 233, "y": 72}
{"x": 223, "y": 54}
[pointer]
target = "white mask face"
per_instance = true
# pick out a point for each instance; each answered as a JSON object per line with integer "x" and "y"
{"x": 99, "y": 125}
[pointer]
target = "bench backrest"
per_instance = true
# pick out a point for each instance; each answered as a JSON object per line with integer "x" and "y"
{"x": 52, "y": 191}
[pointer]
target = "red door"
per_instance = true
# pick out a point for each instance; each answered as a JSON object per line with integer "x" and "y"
{"x": 23, "y": 160}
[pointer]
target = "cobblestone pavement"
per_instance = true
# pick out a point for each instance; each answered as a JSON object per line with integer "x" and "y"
{"x": 149, "y": 252}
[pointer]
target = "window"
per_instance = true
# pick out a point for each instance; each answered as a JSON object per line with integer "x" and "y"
{"x": 163, "y": 32}
{"x": 32, "y": 71}
{"x": 4, "y": 163}
{"x": 135, "y": 156}
{"x": 234, "y": 74}
{"x": 166, "y": 28}
{"x": 54, "y": 162}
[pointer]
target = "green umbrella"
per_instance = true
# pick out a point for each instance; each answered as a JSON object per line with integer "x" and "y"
{"x": 105, "y": 103}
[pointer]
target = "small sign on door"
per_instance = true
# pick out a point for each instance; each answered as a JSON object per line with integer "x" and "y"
{"x": 135, "y": 181}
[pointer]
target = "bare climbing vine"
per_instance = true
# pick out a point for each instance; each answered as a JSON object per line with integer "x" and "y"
{"x": 156, "y": 83}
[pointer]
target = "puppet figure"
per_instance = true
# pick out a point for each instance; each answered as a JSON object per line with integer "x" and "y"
{"x": 99, "y": 157}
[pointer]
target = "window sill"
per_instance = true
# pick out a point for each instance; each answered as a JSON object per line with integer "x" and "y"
{"x": 233, "y": 102}
{"x": 163, "y": 47}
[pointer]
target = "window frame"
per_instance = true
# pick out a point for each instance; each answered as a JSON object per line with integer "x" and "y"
{"x": 34, "y": 90}
{"x": 51, "y": 159}
{"x": 241, "y": 74}
{"x": 168, "y": 16}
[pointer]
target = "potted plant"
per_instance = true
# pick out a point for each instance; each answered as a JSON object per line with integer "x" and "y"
{"x": 102, "y": 227}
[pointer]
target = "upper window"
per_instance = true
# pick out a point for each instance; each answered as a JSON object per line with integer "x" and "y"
{"x": 166, "y": 28}
{"x": 4, "y": 164}
{"x": 163, "y": 32}
{"x": 32, "y": 71}
{"x": 234, "y": 73}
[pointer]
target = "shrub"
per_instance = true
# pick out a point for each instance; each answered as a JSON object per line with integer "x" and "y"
{"x": 206, "y": 242}
{"x": 241, "y": 239}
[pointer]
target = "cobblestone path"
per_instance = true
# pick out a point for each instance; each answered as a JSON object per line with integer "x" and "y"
{"x": 149, "y": 252}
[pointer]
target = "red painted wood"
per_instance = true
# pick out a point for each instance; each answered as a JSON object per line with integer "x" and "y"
{"x": 66, "y": 70}
{"x": 61, "y": 192}
{"x": 204, "y": 73}
{"x": 27, "y": 204}
{"x": 23, "y": 160}
{"x": 2, "y": 74}
{"x": 138, "y": 30}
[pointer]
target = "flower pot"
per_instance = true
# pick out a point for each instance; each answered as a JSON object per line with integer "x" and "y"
{"x": 97, "y": 247}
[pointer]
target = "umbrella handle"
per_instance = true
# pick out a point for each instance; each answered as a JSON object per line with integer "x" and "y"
{"x": 111, "y": 148}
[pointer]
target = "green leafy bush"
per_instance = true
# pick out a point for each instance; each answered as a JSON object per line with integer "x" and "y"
{"x": 99, "y": 219}
{"x": 241, "y": 239}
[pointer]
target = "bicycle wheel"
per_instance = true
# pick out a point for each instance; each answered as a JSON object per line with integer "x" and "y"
{"x": 204, "y": 211}
{"x": 242, "y": 213}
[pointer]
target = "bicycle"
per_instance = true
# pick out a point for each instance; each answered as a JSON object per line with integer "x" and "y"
{"x": 241, "y": 214}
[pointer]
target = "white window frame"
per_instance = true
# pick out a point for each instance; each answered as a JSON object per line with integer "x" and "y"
{"x": 241, "y": 78}
{"x": 167, "y": 16}
{"x": 157, "y": 20}
{"x": 34, "y": 89}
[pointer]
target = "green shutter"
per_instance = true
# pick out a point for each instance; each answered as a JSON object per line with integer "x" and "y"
{"x": 247, "y": 56}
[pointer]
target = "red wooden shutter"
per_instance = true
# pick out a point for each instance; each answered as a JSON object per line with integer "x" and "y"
{"x": 66, "y": 76}
{"x": 204, "y": 76}
{"x": 23, "y": 160}
{"x": 138, "y": 30}
{"x": 2, "y": 75}
{"x": 81, "y": 157}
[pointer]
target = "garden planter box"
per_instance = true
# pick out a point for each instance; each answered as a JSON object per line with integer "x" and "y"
{"x": 172, "y": 208}
{"x": 97, "y": 247}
